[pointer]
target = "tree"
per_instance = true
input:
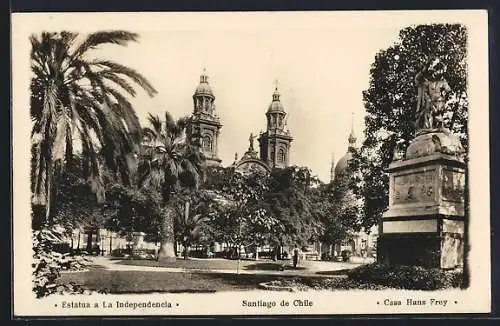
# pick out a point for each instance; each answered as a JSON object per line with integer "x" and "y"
{"x": 241, "y": 220}
{"x": 168, "y": 163}
{"x": 77, "y": 102}
{"x": 390, "y": 103}
{"x": 292, "y": 199}
{"x": 193, "y": 210}
{"x": 131, "y": 209}
{"x": 76, "y": 205}
{"x": 284, "y": 207}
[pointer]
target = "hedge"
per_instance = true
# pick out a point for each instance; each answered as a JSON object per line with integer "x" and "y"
{"x": 407, "y": 277}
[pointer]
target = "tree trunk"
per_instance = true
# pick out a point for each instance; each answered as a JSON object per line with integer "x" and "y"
{"x": 89, "y": 242}
{"x": 186, "y": 218}
{"x": 78, "y": 243}
{"x": 167, "y": 252}
{"x": 466, "y": 245}
{"x": 185, "y": 251}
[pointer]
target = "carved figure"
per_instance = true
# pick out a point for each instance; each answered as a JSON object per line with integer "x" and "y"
{"x": 251, "y": 139}
{"x": 432, "y": 92}
{"x": 398, "y": 153}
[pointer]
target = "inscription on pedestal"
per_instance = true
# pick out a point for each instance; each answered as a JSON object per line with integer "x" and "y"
{"x": 415, "y": 187}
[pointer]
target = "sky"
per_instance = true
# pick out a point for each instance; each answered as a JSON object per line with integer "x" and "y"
{"x": 321, "y": 62}
{"x": 320, "y": 74}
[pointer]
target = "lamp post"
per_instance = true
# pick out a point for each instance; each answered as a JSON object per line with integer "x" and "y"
{"x": 101, "y": 236}
{"x": 110, "y": 242}
{"x": 239, "y": 247}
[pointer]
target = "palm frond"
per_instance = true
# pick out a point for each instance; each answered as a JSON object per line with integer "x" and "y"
{"x": 105, "y": 37}
{"x": 150, "y": 133}
{"x": 124, "y": 109}
{"x": 155, "y": 122}
{"x": 123, "y": 83}
{"x": 129, "y": 72}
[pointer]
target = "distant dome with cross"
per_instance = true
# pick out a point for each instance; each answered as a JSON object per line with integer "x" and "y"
{"x": 343, "y": 163}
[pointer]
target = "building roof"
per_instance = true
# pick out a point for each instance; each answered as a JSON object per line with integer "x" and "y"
{"x": 204, "y": 88}
{"x": 342, "y": 164}
{"x": 276, "y": 105}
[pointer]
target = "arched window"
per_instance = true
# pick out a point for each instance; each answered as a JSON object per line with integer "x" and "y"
{"x": 207, "y": 143}
{"x": 281, "y": 155}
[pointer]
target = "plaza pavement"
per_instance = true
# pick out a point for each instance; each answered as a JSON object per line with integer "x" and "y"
{"x": 311, "y": 268}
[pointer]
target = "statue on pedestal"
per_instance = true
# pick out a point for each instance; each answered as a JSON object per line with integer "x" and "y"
{"x": 251, "y": 139}
{"x": 432, "y": 92}
{"x": 424, "y": 224}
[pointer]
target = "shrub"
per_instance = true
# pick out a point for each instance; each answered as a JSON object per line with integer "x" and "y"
{"x": 346, "y": 254}
{"x": 47, "y": 263}
{"x": 406, "y": 277}
{"x": 144, "y": 254}
{"x": 134, "y": 253}
{"x": 336, "y": 283}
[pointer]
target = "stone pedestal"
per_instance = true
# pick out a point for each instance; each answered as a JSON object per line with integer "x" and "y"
{"x": 138, "y": 239}
{"x": 424, "y": 223}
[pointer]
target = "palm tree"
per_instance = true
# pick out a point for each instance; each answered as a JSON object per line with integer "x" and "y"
{"x": 168, "y": 163}
{"x": 190, "y": 221}
{"x": 78, "y": 103}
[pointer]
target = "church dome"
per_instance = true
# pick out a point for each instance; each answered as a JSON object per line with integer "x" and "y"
{"x": 276, "y": 105}
{"x": 341, "y": 165}
{"x": 203, "y": 88}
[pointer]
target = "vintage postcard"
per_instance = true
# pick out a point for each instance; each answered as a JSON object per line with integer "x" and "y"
{"x": 250, "y": 163}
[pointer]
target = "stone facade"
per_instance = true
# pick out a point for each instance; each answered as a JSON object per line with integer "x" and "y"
{"x": 275, "y": 142}
{"x": 424, "y": 224}
{"x": 204, "y": 126}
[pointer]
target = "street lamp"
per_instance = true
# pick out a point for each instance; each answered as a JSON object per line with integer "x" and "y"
{"x": 101, "y": 236}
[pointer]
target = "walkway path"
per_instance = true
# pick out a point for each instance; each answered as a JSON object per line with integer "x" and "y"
{"x": 314, "y": 268}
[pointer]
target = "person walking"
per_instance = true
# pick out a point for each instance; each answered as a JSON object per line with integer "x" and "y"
{"x": 295, "y": 256}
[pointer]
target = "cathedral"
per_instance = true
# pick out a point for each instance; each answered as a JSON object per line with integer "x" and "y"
{"x": 273, "y": 152}
{"x": 274, "y": 143}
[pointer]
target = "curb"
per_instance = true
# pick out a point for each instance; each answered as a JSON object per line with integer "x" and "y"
{"x": 266, "y": 286}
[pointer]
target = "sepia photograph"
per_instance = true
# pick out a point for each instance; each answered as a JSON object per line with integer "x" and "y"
{"x": 243, "y": 163}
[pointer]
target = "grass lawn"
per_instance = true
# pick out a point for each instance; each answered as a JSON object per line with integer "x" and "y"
{"x": 147, "y": 282}
{"x": 215, "y": 264}
{"x": 115, "y": 282}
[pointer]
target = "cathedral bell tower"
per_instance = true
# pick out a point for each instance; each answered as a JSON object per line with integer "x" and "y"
{"x": 276, "y": 140}
{"x": 204, "y": 127}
